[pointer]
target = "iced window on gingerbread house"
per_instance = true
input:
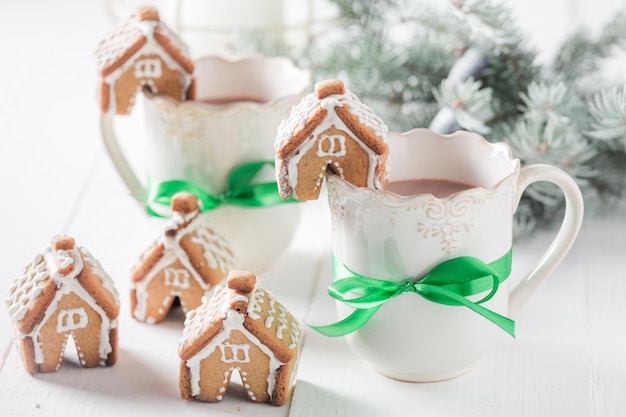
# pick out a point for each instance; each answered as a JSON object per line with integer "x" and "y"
{"x": 148, "y": 68}
{"x": 71, "y": 319}
{"x": 235, "y": 353}
{"x": 331, "y": 145}
{"x": 176, "y": 278}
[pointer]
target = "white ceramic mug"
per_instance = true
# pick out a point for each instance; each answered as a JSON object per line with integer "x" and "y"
{"x": 233, "y": 120}
{"x": 385, "y": 236}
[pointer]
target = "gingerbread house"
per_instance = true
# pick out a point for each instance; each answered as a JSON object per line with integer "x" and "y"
{"x": 240, "y": 328}
{"x": 64, "y": 291}
{"x": 184, "y": 263}
{"x": 330, "y": 130}
{"x": 142, "y": 52}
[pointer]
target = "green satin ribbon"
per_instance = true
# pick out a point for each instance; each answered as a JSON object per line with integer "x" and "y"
{"x": 240, "y": 191}
{"x": 447, "y": 283}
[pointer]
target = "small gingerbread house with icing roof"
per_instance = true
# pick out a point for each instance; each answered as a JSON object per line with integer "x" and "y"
{"x": 142, "y": 52}
{"x": 330, "y": 130}
{"x": 184, "y": 263}
{"x": 240, "y": 328}
{"x": 64, "y": 291}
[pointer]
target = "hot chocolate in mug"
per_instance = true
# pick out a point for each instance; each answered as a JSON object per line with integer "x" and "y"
{"x": 421, "y": 273}
{"x": 231, "y": 123}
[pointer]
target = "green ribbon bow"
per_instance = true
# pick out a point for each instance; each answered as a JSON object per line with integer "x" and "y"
{"x": 447, "y": 283}
{"x": 240, "y": 191}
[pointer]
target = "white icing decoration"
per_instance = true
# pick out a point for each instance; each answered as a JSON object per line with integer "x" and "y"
{"x": 332, "y": 119}
{"x": 124, "y": 35}
{"x": 66, "y": 284}
{"x": 214, "y": 247}
{"x": 297, "y": 120}
{"x": 255, "y": 304}
{"x": 166, "y": 300}
{"x": 141, "y": 304}
{"x": 310, "y": 103}
{"x": 294, "y": 332}
{"x": 220, "y": 257}
{"x": 219, "y": 308}
{"x": 336, "y": 146}
{"x": 233, "y": 321}
{"x": 64, "y": 259}
{"x": 176, "y": 278}
{"x": 148, "y": 68}
{"x": 179, "y": 219}
{"x": 282, "y": 322}
{"x": 26, "y": 289}
{"x": 71, "y": 319}
{"x": 206, "y": 314}
{"x": 255, "y": 307}
{"x": 239, "y": 298}
{"x": 235, "y": 352}
{"x": 270, "y": 313}
{"x": 294, "y": 373}
{"x": 98, "y": 271}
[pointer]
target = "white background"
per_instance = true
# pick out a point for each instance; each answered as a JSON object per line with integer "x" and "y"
{"x": 569, "y": 358}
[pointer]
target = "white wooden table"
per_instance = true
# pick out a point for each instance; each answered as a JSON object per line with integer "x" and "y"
{"x": 569, "y": 358}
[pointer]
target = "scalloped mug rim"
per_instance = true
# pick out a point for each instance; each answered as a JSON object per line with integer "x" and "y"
{"x": 391, "y": 198}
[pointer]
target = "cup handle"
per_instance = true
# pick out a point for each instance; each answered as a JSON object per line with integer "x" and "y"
{"x": 565, "y": 237}
{"x": 116, "y": 154}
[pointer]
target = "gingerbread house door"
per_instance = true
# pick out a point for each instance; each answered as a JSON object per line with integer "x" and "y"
{"x": 236, "y": 353}
{"x": 74, "y": 317}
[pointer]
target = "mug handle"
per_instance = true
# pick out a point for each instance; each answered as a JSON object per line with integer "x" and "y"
{"x": 116, "y": 154}
{"x": 565, "y": 237}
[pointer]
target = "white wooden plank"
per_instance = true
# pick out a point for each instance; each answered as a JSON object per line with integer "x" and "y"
{"x": 605, "y": 273}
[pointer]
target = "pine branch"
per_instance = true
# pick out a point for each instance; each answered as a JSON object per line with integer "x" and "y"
{"x": 470, "y": 104}
{"x": 491, "y": 24}
{"x": 511, "y": 66}
{"x": 608, "y": 109}
{"x": 552, "y": 114}
{"x": 580, "y": 55}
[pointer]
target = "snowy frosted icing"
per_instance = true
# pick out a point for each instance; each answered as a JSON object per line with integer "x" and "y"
{"x": 27, "y": 288}
{"x": 207, "y": 314}
{"x": 51, "y": 269}
{"x": 139, "y": 52}
{"x": 215, "y": 249}
{"x": 310, "y": 103}
{"x": 119, "y": 40}
{"x": 242, "y": 342}
{"x": 330, "y": 128}
{"x": 96, "y": 268}
{"x": 296, "y": 121}
{"x": 216, "y": 253}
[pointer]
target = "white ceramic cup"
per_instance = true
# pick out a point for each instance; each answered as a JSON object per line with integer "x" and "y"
{"x": 381, "y": 235}
{"x": 233, "y": 120}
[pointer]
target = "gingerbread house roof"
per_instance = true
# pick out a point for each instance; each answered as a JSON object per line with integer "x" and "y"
{"x": 205, "y": 251}
{"x": 330, "y": 98}
{"x": 131, "y": 35}
{"x": 60, "y": 265}
{"x": 242, "y": 303}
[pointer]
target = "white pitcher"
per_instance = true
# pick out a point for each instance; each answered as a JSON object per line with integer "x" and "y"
{"x": 394, "y": 238}
{"x": 232, "y": 121}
